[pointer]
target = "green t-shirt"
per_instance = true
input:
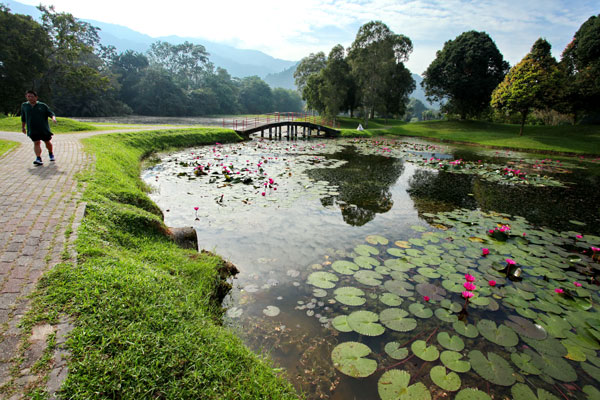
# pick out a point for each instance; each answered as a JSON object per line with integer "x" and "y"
{"x": 36, "y": 118}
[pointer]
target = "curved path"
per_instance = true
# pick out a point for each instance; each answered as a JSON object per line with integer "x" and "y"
{"x": 40, "y": 211}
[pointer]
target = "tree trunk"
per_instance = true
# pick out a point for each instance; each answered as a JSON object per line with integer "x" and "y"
{"x": 523, "y": 118}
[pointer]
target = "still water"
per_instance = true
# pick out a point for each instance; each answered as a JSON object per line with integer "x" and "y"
{"x": 343, "y": 244}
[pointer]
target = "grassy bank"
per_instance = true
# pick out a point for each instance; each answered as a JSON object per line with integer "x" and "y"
{"x": 6, "y": 145}
{"x": 63, "y": 125}
{"x": 578, "y": 139}
{"x": 147, "y": 312}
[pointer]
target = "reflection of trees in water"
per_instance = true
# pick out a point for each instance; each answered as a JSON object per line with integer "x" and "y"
{"x": 434, "y": 191}
{"x": 364, "y": 184}
{"x": 553, "y": 207}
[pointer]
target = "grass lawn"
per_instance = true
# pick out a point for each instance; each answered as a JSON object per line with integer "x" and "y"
{"x": 64, "y": 125}
{"x": 578, "y": 139}
{"x": 147, "y": 313}
{"x": 6, "y": 145}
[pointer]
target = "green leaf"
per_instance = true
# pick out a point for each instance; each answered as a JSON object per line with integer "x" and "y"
{"x": 376, "y": 239}
{"x": 365, "y": 250}
{"x": 322, "y": 279}
{"x": 341, "y": 323}
{"x": 523, "y": 392}
{"x": 450, "y": 381}
{"x": 556, "y": 367}
{"x": 424, "y": 352}
{"x": 502, "y": 335}
{"x": 350, "y": 296}
{"x": 468, "y": 330}
{"x": 452, "y": 360}
{"x": 395, "y": 319}
{"x": 393, "y": 385}
{"x": 592, "y": 392}
{"x": 390, "y": 299}
{"x": 523, "y": 362}
{"x": 524, "y": 327}
{"x": 454, "y": 342}
{"x": 344, "y": 267}
{"x": 472, "y": 394}
{"x": 366, "y": 262}
{"x": 365, "y": 323}
{"x": 494, "y": 368}
{"x": 445, "y": 315}
{"x": 592, "y": 371}
{"x": 394, "y": 350}
{"x": 349, "y": 358}
{"x": 419, "y": 310}
{"x": 369, "y": 278}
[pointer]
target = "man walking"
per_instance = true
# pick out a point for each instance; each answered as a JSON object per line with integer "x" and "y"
{"x": 34, "y": 116}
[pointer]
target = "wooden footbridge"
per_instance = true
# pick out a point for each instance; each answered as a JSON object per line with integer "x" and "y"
{"x": 287, "y": 124}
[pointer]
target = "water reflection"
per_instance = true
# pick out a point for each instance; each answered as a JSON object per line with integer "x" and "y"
{"x": 363, "y": 184}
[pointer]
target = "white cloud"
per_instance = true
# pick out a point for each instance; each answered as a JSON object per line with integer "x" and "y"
{"x": 292, "y": 29}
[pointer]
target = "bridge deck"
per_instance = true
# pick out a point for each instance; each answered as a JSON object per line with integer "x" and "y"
{"x": 267, "y": 122}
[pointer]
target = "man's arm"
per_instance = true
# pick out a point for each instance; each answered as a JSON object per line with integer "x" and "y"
{"x": 23, "y": 120}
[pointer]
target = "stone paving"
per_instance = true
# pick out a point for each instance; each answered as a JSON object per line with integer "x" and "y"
{"x": 38, "y": 205}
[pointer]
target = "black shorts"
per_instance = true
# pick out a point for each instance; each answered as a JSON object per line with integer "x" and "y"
{"x": 35, "y": 136}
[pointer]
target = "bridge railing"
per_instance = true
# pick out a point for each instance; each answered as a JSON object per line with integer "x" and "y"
{"x": 244, "y": 123}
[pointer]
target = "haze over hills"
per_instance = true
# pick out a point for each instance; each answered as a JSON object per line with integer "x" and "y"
{"x": 238, "y": 62}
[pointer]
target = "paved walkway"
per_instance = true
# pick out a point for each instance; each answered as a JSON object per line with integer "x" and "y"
{"x": 37, "y": 207}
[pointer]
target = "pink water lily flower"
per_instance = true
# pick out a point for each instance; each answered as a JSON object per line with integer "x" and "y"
{"x": 469, "y": 278}
{"x": 485, "y": 251}
{"x": 510, "y": 261}
{"x": 469, "y": 286}
{"x": 579, "y": 236}
{"x": 492, "y": 283}
{"x": 559, "y": 290}
{"x": 577, "y": 284}
{"x": 426, "y": 298}
{"x": 196, "y": 208}
{"x": 467, "y": 294}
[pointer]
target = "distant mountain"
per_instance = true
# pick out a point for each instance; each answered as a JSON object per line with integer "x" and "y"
{"x": 238, "y": 62}
{"x": 283, "y": 79}
{"x": 419, "y": 93}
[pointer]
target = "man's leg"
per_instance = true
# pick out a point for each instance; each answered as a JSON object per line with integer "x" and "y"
{"x": 50, "y": 149}
{"x": 37, "y": 148}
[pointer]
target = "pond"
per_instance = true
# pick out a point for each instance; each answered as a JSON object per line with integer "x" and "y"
{"x": 400, "y": 268}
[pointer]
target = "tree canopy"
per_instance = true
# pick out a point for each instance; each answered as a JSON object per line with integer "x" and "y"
{"x": 464, "y": 74}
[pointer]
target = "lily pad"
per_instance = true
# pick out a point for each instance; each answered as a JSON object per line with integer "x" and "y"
{"x": 345, "y": 267}
{"x": 419, "y": 310}
{"x": 350, "y": 296}
{"x": 592, "y": 392}
{"x": 366, "y": 250}
{"x": 447, "y": 381}
{"x": 548, "y": 346}
{"x": 393, "y": 385}
{"x": 395, "y": 319}
{"x": 271, "y": 311}
{"x": 390, "y": 299}
{"x": 452, "y": 360}
{"x": 494, "y": 368}
{"x": 592, "y": 371}
{"x": 521, "y": 391}
{"x": 365, "y": 323}
{"x": 366, "y": 262}
{"x": 472, "y": 394}
{"x": 523, "y": 362}
{"x": 322, "y": 279}
{"x": 502, "y": 335}
{"x": 556, "y": 367}
{"x": 376, "y": 239}
{"x": 400, "y": 288}
{"x": 445, "y": 315}
{"x": 369, "y": 278}
{"x": 350, "y": 359}
{"x": 394, "y": 350}
{"x": 341, "y": 323}
{"x": 434, "y": 292}
{"x": 454, "y": 342}
{"x": 423, "y": 351}
{"x": 525, "y": 327}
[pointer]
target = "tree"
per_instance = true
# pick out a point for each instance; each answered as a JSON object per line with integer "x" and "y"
{"x": 374, "y": 57}
{"x": 532, "y": 83}
{"x": 415, "y": 109}
{"x": 187, "y": 62}
{"x": 337, "y": 82}
{"x": 129, "y": 67}
{"x": 312, "y": 93}
{"x": 157, "y": 94}
{"x": 311, "y": 65}
{"x": 581, "y": 62}
{"x": 395, "y": 96}
{"x": 464, "y": 74}
{"x": 22, "y": 61}
{"x": 286, "y": 100}
{"x": 256, "y": 96}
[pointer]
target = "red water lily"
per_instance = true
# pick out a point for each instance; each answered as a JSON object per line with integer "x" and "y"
{"x": 559, "y": 290}
{"x": 492, "y": 283}
{"x": 485, "y": 251}
{"x": 426, "y": 298}
{"x": 467, "y": 294}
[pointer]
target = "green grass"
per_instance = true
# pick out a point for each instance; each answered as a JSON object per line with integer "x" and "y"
{"x": 6, "y": 145}
{"x": 578, "y": 139}
{"x": 64, "y": 125}
{"x": 147, "y": 313}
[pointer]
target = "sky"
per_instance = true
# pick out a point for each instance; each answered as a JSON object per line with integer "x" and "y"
{"x": 292, "y": 30}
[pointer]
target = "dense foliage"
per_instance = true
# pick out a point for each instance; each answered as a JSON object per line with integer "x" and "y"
{"x": 464, "y": 74}
{"x": 63, "y": 60}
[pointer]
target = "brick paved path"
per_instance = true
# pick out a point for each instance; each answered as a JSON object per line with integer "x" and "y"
{"x": 37, "y": 206}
